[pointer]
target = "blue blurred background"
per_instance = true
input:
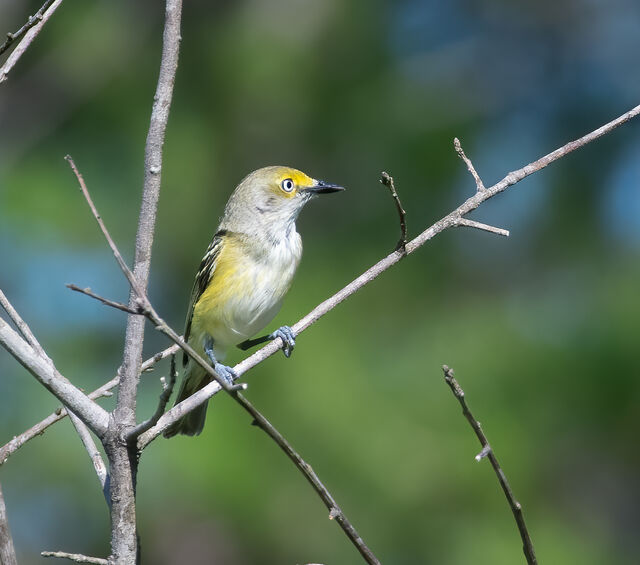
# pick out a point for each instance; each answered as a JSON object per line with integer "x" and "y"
{"x": 542, "y": 328}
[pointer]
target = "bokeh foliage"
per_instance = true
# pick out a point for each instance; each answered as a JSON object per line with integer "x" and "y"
{"x": 542, "y": 328}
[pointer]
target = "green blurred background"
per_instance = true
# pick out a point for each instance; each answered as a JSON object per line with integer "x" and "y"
{"x": 542, "y": 328}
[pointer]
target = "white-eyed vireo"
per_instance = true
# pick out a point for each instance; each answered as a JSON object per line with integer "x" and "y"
{"x": 244, "y": 275}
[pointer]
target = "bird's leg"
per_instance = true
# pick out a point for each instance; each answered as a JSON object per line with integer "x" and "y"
{"x": 285, "y": 333}
{"x": 249, "y": 343}
{"x": 223, "y": 371}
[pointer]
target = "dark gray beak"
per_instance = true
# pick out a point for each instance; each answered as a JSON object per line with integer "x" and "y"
{"x": 322, "y": 187}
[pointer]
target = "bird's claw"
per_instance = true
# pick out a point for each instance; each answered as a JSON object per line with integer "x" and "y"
{"x": 226, "y": 373}
{"x": 285, "y": 333}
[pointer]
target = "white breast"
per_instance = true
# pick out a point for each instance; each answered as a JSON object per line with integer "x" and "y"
{"x": 266, "y": 279}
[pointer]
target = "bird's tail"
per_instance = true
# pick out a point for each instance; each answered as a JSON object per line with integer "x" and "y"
{"x": 194, "y": 379}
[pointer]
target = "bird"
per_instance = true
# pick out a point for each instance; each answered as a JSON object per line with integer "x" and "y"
{"x": 243, "y": 277}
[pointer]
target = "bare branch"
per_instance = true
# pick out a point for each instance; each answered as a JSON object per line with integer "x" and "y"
{"x": 450, "y": 220}
{"x": 167, "y": 389}
{"x": 45, "y": 372}
{"x": 18, "y": 441}
{"x": 95, "y": 455}
{"x": 107, "y": 235}
{"x": 77, "y": 557}
{"x": 480, "y": 226}
{"x": 335, "y": 512}
{"x": 105, "y": 301}
{"x": 29, "y": 36}
{"x": 516, "y": 508}
{"x": 33, "y": 20}
{"x": 123, "y": 462}
{"x": 22, "y": 326}
{"x": 7, "y": 551}
{"x": 468, "y": 163}
{"x": 387, "y": 180}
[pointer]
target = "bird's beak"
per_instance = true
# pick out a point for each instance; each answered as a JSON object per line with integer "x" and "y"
{"x": 322, "y": 187}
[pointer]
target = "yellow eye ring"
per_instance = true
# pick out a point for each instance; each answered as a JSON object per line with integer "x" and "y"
{"x": 287, "y": 185}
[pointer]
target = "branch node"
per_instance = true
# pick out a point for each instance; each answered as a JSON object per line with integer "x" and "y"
{"x": 334, "y": 513}
{"x": 485, "y": 451}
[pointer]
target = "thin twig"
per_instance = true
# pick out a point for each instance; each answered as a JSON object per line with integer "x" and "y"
{"x": 387, "y": 180}
{"x": 516, "y": 508}
{"x": 481, "y": 226}
{"x": 60, "y": 413}
{"x": 450, "y": 220}
{"x": 93, "y": 452}
{"x": 468, "y": 163}
{"x": 77, "y": 557}
{"x": 7, "y": 550}
{"x": 29, "y": 36}
{"x": 167, "y": 389}
{"x": 105, "y": 301}
{"x": 33, "y": 20}
{"x": 22, "y": 326}
{"x": 116, "y": 253}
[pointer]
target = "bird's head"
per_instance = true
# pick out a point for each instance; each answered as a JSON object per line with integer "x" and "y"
{"x": 272, "y": 196}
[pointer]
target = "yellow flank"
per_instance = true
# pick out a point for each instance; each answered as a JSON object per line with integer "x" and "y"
{"x": 209, "y": 314}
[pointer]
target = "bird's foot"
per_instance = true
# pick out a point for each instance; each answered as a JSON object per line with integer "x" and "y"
{"x": 285, "y": 333}
{"x": 226, "y": 373}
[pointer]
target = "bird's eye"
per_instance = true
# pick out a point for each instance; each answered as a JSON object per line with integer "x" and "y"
{"x": 287, "y": 185}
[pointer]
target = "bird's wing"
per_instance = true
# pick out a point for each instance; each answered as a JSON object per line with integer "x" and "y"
{"x": 203, "y": 278}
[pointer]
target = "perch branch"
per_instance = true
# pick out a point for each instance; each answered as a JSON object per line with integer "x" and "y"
{"x": 387, "y": 180}
{"x": 29, "y": 35}
{"x": 468, "y": 163}
{"x": 7, "y": 551}
{"x": 18, "y": 441}
{"x": 77, "y": 557}
{"x": 450, "y": 220}
{"x": 516, "y": 508}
